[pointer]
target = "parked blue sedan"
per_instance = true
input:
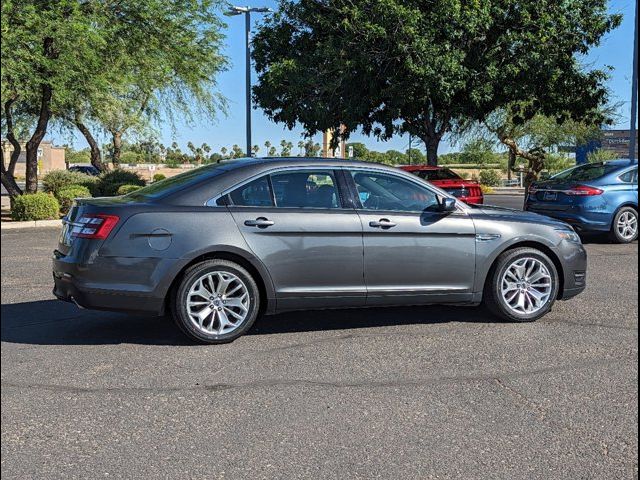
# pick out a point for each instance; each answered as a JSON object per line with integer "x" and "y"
{"x": 595, "y": 197}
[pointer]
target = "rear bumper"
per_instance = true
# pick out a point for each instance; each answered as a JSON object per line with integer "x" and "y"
{"x": 83, "y": 285}
{"x": 598, "y": 222}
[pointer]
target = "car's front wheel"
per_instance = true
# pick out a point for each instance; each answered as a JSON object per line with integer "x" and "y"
{"x": 625, "y": 225}
{"x": 216, "y": 302}
{"x": 522, "y": 286}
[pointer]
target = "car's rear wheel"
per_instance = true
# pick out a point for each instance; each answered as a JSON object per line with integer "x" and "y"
{"x": 522, "y": 286}
{"x": 625, "y": 225}
{"x": 216, "y": 302}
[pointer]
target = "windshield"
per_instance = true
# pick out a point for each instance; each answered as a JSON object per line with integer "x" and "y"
{"x": 585, "y": 173}
{"x": 439, "y": 174}
{"x": 172, "y": 184}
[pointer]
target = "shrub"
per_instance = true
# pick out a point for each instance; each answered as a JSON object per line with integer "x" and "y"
{"x": 124, "y": 189}
{"x": 490, "y": 178}
{"x": 486, "y": 190}
{"x": 111, "y": 181}
{"x": 35, "y": 206}
{"x": 158, "y": 176}
{"x": 56, "y": 180}
{"x": 67, "y": 195}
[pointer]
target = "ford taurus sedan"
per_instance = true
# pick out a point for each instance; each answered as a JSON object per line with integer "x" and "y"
{"x": 218, "y": 246}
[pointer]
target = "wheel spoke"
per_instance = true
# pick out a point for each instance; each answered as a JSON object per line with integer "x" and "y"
{"x": 526, "y": 285}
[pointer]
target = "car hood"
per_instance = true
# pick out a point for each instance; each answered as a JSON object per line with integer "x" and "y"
{"x": 493, "y": 213}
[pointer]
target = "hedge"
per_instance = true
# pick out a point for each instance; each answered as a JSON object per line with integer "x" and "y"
{"x": 35, "y": 206}
{"x": 124, "y": 189}
{"x": 158, "y": 176}
{"x": 490, "y": 178}
{"x": 67, "y": 195}
{"x": 111, "y": 181}
{"x": 56, "y": 180}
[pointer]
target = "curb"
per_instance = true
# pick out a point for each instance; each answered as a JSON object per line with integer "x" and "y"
{"x": 507, "y": 191}
{"x": 30, "y": 224}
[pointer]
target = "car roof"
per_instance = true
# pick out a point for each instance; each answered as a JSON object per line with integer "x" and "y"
{"x": 423, "y": 167}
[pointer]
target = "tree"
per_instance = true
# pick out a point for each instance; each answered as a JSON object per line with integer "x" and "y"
{"x": 50, "y": 55}
{"x": 311, "y": 148}
{"x": 285, "y": 148}
{"x": 541, "y": 136}
{"x": 394, "y": 66}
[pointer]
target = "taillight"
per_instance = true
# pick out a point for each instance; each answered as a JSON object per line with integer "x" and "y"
{"x": 96, "y": 226}
{"x": 583, "y": 191}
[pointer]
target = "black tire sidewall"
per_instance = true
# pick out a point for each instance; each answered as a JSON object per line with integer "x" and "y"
{"x": 499, "y": 304}
{"x": 181, "y": 317}
{"x": 614, "y": 227}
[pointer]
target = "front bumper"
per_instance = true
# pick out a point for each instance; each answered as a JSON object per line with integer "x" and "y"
{"x": 574, "y": 266}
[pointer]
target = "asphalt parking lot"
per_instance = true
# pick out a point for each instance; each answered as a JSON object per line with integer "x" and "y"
{"x": 434, "y": 392}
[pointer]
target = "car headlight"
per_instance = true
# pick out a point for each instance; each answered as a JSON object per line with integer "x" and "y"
{"x": 569, "y": 235}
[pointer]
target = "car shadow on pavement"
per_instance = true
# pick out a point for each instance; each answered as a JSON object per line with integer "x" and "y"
{"x": 51, "y": 322}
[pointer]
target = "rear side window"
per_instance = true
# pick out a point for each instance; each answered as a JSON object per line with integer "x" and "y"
{"x": 305, "y": 189}
{"x": 630, "y": 177}
{"x": 253, "y": 194}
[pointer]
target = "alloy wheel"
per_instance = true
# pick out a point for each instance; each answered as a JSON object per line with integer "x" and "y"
{"x": 627, "y": 225}
{"x": 526, "y": 286}
{"x": 218, "y": 302}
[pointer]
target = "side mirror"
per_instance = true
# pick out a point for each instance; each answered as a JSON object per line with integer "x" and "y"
{"x": 448, "y": 205}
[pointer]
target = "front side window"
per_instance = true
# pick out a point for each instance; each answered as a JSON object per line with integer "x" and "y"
{"x": 380, "y": 191}
{"x": 256, "y": 193}
{"x": 305, "y": 189}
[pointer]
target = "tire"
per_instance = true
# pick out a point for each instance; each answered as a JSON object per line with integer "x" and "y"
{"x": 496, "y": 302}
{"x": 624, "y": 216}
{"x": 196, "y": 286}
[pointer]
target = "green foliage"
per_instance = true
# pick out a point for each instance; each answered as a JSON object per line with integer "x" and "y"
{"x": 124, "y": 189}
{"x": 555, "y": 163}
{"x": 56, "y": 180}
{"x": 72, "y": 156}
{"x": 425, "y": 67}
{"x": 601, "y": 155}
{"x": 112, "y": 180}
{"x": 131, "y": 158}
{"x": 490, "y": 178}
{"x": 67, "y": 195}
{"x": 478, "y": 152}
{"x": 35, "y": 206}
{"x": 158, "y": 176}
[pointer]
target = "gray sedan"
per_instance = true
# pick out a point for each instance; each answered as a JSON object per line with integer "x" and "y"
{"x": 220, "y": 245}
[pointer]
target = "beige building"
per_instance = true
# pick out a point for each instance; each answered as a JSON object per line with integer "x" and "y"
{"x": 50, "y": 157}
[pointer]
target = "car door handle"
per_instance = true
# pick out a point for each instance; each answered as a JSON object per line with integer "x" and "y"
{"x": 260, "y": 222}
{"x": 382, "y": 223}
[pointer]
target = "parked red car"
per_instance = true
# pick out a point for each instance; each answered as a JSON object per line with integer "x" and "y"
{"x": 468, "y": 191}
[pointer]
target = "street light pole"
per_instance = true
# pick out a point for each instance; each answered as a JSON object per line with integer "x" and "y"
{"x": 246, "y": 11}
{"x": 247, "y": 52}
{"x": 634, "y": 92}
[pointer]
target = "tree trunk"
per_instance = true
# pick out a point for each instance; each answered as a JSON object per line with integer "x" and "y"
{"x": 7, "y": 174}
{"x": 34, "y": 142}
{"x": 432, "y": 144}
{"x": 117, "y": 148}
{"x": 96, "y": 155}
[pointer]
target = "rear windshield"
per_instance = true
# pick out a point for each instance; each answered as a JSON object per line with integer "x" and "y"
{"x": 172, "y": 184}
{"x": 583, "y": 173}
{"x": 439, "y": 174}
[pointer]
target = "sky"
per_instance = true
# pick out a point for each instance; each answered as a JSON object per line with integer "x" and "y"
{"x": 616, "y": 50}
